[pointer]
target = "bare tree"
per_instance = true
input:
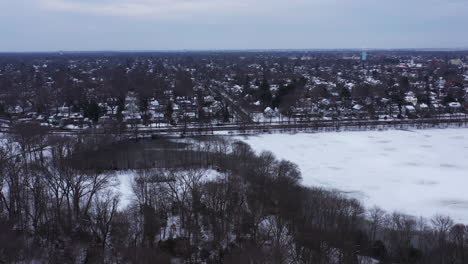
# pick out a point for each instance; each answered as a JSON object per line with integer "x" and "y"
{"x": 102, "y": 214}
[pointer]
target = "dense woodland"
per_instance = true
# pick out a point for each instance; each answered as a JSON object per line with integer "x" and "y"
{"x": 195, "y": 200}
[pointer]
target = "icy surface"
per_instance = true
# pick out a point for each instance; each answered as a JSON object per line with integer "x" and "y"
{"x": 421, "y": 172}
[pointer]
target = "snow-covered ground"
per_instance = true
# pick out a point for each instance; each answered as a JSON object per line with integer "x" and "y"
{"x": 420, "y": 172}
{"x": 124, "y": 187}
{"x": 125, "y": 182}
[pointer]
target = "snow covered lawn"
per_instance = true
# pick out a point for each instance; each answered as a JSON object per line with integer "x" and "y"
{"x": 420, "y": 172}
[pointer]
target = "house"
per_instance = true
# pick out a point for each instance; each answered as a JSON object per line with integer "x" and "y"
{"x": 423, "y": 108}
{"x": 190, "y": 116}
{"x": 410, "y": 110}
{"x": 454, "y": 106}
{"x": 358, "y": 107}
{"x": 456, "y": 62}
{"x": 436, "y": 107}
{"x": 154, "y": 104}
{"x": 410, "y": 98}
{"x": 209, "y": 99}
{"x": 269, "y": 112}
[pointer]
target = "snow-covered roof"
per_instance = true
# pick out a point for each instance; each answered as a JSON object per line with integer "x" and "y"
{"x": 268, "y": 110}
{"x": 410, "y": 108}
{"x": 357, "y": 107}
{"x": 454, "y": 104}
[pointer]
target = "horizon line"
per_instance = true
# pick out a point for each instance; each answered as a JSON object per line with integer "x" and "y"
{"x": 236, "y": 50}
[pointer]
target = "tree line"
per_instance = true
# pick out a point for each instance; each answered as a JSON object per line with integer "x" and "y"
{"x": 197, "y": 200}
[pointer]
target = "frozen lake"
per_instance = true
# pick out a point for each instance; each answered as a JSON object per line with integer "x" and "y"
{"x": 417, "y": 172}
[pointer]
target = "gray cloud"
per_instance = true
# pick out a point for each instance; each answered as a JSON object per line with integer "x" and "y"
{"x": 206, "y": 24}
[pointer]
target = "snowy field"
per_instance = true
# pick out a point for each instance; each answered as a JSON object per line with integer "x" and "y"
{"x": 420, "y": 172}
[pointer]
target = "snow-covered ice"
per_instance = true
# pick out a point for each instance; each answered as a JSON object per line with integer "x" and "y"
{"x": 420, "y": 172}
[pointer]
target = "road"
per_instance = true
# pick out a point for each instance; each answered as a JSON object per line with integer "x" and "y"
{"x": 241, "y": 113}
{"x": 254, "y": 128}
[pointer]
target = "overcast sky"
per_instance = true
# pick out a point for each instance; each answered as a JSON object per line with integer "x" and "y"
{"x": 80, "y": 25}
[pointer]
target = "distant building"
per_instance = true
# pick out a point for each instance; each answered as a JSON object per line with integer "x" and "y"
{"x": 456, "y": 62}
{"x": 364, "y": 55}
{"x": 350, "y": 57}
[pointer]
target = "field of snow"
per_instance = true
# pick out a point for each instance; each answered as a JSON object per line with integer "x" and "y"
{"x": 421, "y": 172}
